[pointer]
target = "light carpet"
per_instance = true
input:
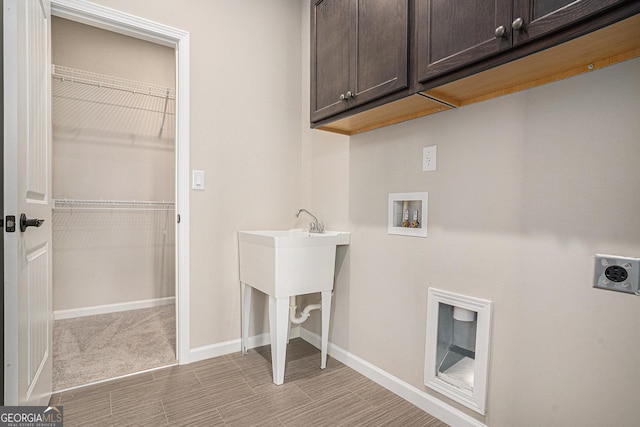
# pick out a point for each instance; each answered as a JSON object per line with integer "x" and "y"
{"x": 93, "y": 348}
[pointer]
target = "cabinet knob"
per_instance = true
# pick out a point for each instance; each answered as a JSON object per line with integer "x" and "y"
{"x": 342, "y": 97}
{"x": 500, "y": 31}
{"x": 348, "y": 95}
{"x": 517, "y": 24}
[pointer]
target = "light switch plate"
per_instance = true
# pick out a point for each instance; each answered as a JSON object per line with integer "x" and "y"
{"x": 198, "y": 180}
{"x": 617, "y": 273}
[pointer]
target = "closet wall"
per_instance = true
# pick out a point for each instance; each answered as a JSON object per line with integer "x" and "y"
{"x": 109, "y": 145}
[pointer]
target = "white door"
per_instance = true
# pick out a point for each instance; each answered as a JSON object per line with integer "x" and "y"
{"x": 27, "y": 186}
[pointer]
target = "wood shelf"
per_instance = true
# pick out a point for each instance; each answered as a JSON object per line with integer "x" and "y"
{"x": 398, "y": 111}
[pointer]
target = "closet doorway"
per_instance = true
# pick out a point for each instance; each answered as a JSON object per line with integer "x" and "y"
{"x": 114, "y": 185}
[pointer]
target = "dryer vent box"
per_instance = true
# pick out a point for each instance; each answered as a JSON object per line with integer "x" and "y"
{"x": 457, "y": 347}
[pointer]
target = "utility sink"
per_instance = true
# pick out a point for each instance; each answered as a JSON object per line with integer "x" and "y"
{"x": 283, "y": 264}
{"x": 294, "y": 238}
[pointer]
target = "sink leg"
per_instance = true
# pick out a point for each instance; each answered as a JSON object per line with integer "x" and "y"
{"x": 278, "y": 326}
{"x": 292, "y": 302}
{"x": 246, "y": 315}
{"x": 326, "y": 315}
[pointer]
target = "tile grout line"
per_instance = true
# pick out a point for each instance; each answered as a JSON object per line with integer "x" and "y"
{"x": 220, "y": 415}
{"x": 198, "y": 378}
{"x": 164, "y": 411}
{"x": 248, "y": 385}
{"x": 303, "y": 392}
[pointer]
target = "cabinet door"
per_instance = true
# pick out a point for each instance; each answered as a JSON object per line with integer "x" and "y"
{"x": 455, "y": 33}
{"x": 380, "y": 37}
{"x": 330, "y": 22}
{"x": 533, "y": 18}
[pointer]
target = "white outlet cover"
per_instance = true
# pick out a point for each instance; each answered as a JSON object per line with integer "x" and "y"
{"x": 429, "y": 156}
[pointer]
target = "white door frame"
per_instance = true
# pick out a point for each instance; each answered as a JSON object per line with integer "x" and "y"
{"x": 109, "y": 19}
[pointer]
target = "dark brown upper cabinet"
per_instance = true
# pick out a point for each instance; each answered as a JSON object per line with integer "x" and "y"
{"x": 359, "y": 52}
{"x": 452, "y": 34}
{"x": 461, "y": 52}
{"x": 535, "y": 18}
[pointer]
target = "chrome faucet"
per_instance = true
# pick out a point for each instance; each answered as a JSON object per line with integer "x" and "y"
{"x": 315, "y": 226}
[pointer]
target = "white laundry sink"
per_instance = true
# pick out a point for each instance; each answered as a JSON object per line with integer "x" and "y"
{"x": 283, "y": 263}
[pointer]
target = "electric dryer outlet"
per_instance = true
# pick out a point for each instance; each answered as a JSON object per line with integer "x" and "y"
{"x": 617, "y": 273}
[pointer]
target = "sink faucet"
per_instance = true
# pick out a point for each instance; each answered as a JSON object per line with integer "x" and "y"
{"x": 315, "y": 226}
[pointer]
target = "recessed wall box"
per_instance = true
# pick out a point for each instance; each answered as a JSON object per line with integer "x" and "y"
{"x": 457, "y": 347}
{"x": 408, "y": 214}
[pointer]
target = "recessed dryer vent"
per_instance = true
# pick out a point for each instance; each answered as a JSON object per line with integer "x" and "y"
{"x": 457, "y": 349}
{"x": 456, "y": 346}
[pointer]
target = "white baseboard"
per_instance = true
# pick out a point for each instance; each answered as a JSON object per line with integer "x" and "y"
{"x": 112, "y": 308}
{"x": 422, "y": 400}
{"x": 233, "y": 346}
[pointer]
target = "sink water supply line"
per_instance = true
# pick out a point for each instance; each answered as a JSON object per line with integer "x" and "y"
{"x": 304, "y": 315}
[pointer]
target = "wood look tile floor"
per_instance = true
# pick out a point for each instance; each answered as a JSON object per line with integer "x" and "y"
{"x": 237, "y": 390}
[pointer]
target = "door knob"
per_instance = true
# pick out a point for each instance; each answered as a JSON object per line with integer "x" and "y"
{"x": 26, "y": 222}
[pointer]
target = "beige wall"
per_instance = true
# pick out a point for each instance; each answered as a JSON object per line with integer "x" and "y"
{"x": 103, "y": 151}
{"x": 93, "y": 49}
{"x": 525, "y": 194}
{"x": 245, "y": 134}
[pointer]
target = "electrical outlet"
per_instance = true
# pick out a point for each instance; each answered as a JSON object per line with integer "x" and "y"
{"x": 429, "y": 159}
{"x": 617, "y": 273}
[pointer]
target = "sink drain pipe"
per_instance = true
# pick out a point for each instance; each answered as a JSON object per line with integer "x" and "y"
{"x": 304, "y": 315}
